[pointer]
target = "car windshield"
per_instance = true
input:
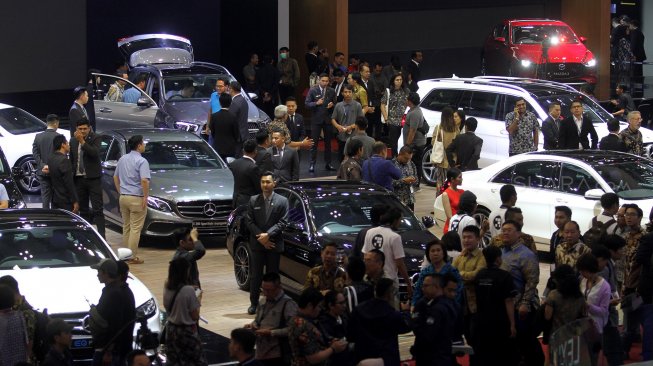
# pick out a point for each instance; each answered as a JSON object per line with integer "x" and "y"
{"x": 179, "y": 155}
{"x": 18, "y": 122}
{"x": 631, "y": 180}
{"x": 591, "y": 108}
{"x": 556, "y": 34}
{"x": 36, "y": 246}
{"x": 349, "y": 212}
{"x": 192, "y": 87}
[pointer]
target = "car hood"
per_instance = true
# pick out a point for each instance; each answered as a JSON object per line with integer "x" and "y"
{"x": 67, "y": 290}
{"x": 562, "y": 53}
{"x": 197, "y": 111}
{"x": 192, "y": 185}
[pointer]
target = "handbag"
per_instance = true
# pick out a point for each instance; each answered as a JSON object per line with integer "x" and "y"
{"x": 162, "y": 335}
{"x": 437, "y": 152}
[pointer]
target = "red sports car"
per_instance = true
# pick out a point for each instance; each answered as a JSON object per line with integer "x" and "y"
{"x": 538, "y": 48}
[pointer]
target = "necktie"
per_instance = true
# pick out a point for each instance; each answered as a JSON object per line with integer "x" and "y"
{"x": 268, "y": 208}
{"x": 80, "y": 162}
{"x": 292, "y": 119}
{"x": 321, "y": 93}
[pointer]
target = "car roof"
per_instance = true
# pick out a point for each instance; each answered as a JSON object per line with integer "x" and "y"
{"x": 535, "y": 21}
{"x": 155, "y": 134}
{"x": 521, "y": 85}
{"x": 192, "y": 68}
{"x": 4, "y": 106}
{"x": 10, "y": 217}
{"x": 590, "y": 157}
{"x": 313, "y": 186}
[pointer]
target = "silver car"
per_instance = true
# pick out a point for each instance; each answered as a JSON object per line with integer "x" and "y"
{"x": 190, "y": 184}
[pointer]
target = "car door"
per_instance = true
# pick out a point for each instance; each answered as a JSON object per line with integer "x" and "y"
{"x": 436, "y": 100}
{"x": 298, "y": 257}
{"x": 483, "y": 105}
{"x": 114, "y": 148}
{"x": 494, "y": 49}
{"x": 575, "y": 180}
{"x": 536, "y": 183}
{"x": 111, "y": 115}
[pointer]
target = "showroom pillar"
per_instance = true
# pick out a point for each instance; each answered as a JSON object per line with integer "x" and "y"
{"x": 591, "y": 19}
{"x": 323, "y": 21}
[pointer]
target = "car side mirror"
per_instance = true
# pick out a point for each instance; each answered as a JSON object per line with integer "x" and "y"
{"x": 16, "y": 171}
{"x": 428, "y": 221}
{"x": 110, "y": 164}
{"x": 230, "y": 160}
{"x": 124, "y": 254}
{"x": 500, "y": 39}
{"x": 252, "y": 96}
{"x": 143, "y": 102}
{"x": 582, "y": 39}
{"x": 295, "y": 226}
{"x": 594, "y": 194}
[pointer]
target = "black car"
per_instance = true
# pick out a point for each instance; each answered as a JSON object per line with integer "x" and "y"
{"x": 322, "y": 211}
{"x": 7, "y": 176}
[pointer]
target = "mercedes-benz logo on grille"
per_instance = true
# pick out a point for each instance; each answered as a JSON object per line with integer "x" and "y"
{"x": 561, "y": 67}
{"x": 210, "y": 209}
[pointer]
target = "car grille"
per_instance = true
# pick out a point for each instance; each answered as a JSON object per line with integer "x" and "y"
{"x": 208, "y": 216}
{"x": 81, "y": 347}
{"x": 565, "y": 70}
{"x": 253, "y": 128}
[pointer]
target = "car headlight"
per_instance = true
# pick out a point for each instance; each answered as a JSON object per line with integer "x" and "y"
{"x": 147, "y": 309}
{"x": 526, "y": 63}
{"x": 187, "y": 126}
{"x": 158, "y": 204}
{"x": 591, "y": 63}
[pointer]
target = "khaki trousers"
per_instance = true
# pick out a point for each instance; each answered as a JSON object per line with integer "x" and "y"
{"x": 133, "y": 217}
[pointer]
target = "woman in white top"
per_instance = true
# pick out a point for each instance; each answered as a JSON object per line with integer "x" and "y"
{"x": 183, "y": 344}
{"x": 596, "y": 291}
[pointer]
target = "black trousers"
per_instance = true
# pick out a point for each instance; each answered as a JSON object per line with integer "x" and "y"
{"x": 418, "y": 151}
{"x": 393, "y": 138}
{"x": 341, "y": 151}
{"x": 374, "y": 125}
{"x": 91, "y": 189}
{"x": 260, "y": 259}
{"x": 327, "y": 129}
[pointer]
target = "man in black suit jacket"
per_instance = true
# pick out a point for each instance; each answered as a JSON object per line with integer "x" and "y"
{"x": 88, "y": 173}
{"x": 284, "y": 158}
{"x": 320, "y": 100}
{"x": 339, "y": 82}
{"x": 42, "y": 151}
{"x": 295, "y": 121}
{"x": 240, "y": 109}
{"x": 569, "y": 137}
{"x": 247, "y": 181}
{"x": 224, "y": 129}
{"x": 613, "y": 141}
{"x": 266, "y": 217}
{"x": 64, "y": 194}
{"x": 77, "y": 110}
{"x": 413, "y": 70}
{"x": 551, "y": 127}
{"x": 467, "y": 147}
{"x": 263, "y": 156}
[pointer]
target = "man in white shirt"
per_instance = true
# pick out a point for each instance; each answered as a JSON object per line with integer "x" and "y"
{"x": 508, "y": 196}
{"x": 384, "y": 238}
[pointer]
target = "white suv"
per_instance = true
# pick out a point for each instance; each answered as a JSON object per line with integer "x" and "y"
{"x": 490, "y": 98}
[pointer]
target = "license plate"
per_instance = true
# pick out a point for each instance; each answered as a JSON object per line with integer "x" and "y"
{"x": 81, "y": 342}
{"x": 208, "y": 224}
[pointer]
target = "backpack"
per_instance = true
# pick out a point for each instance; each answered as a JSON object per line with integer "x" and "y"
{"x": 423, "y": 127}
{"x": 597, "y": 232}
{"x": 352, "y": 298}
{"x": 41, "y": 344}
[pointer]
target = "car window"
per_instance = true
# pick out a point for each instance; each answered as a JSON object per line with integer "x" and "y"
{"x": 536, "y": 34}
{"x": 591, "y": 108}
{"x": 114, "y": 151}
{"x": 180, "y": 155}
{"x": 153, "y": 87}
{"x": 576, "y": 180}
{"x": 537, "y": 174}
{"x": 632, "y": 180}
{"x": 505, "y": 177}
{"x": 105, "y": 143}
{"x": 479, "y": 104}
{"x": 190, "y": 87}
{"x": 18, "y": 122}
{"x": 438, "y": 99}
{"x": 296, "y": 212}
{"x": 498, "y": 29}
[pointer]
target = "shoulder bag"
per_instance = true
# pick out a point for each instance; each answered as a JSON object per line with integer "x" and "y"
{"x": 162, "y": 335}
{"x": 437, "y": 153}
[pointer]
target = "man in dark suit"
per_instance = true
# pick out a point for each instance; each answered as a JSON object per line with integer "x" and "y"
{"x": 77, "y": 110}
{"x": 247, "y": 181}
{"x": 570, "y": 137}
{"x": 240, "y": 109}
{"x": 613, "y": 141}
{"x": 637, "y": 46}
{"x": 338, "y": 83}
{"x": 265, "y": 219}
{"x": 295, "y": 121}
{"x": 42, "y": 151}
{"x": 467, "y": 147}
{"x": 320, "y": 100}
{"x": 413, "y": 70}
{"x": 284, "y": 158}
{"x": 263, "y": 156}
{"x": 85, "y": 159}
{"x": 224, "y": 129}
{"x": 64, "y": 195}
{"x": 551, "y": 127}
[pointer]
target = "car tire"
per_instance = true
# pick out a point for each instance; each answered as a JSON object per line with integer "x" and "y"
{"x": 242, "y": 260}
{"x": 27, "y": 180}
{"x": 482, "y": 213}
{"x": 430, "y": 171}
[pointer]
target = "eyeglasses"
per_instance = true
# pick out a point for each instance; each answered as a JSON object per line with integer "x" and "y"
{"x": 520, "y": 104}
{"x": 631, "y": 214}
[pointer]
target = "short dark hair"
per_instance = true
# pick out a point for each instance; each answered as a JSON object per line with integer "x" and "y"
{"x": 235, "y": 86}
{"x": 378, "y": 63}
{"x": 406, "y": 149}
{"x": 622, "y": 87}
{"x": 338, "y": 73}
{"x": 383, "y": 286}
{"x": 291, "y": 99}
{"x": 355, "y": 268}
{"x": 266, "y": 173}
{"x": 390, "y": 216}
{"x": 467, "y": 202}
{"x": 613, "y": 242}
{"x": 225, "y": 100}
{"x": 132, "y": 355}
{"x": 284, "y": 48}
{"x": 613, "y": 125}
{"x": 376, "y": 211}
{"x": 271, "y": 277}
{"x": 354, "y": 56}
{"x": 329, "y": 244}
{"x": 506, "y": 192}
{"x": 261, "y": 136}
{"x": 513, "y": 223}
{"x": 451, "y": 241}
{"x": 140, "y": 78}
{"x": 379, "y": 253}
{"x": 433, "y": 243}
{"x": 511, "y": 211}
{"x": 587, "y": 262}
{"x": 634, "y": 206}
{"x": 11, "y": 282}
{"x": 78, "y": 91}
{"x": 453, "y": 173}
{"x": 519, "y": 99}
{"x": 471, "y": 123}
{"x": 576, "y": 101}
{"x": 330, "y": 298}
{"x": 379, "y": 147}
{"x": 353, "y": 147}
{"x": 134, "y": 141}
{"x": 245, "y": 338}
{"x": 472, "y": 229}
{"x": 609, "y": 199}
{"x": 491, "y": 253}
{"x": 553, "y": 104}
{"x": 311, "y": 45}
{"x": 449, "y": 277}
{"x": 181, "y": 234}
{"x": 324, "y": 75}
{"x": 51, "y": 118}
{"x": 414, "y": 53}
{"x": 249, "y": 146}
{"x": 57, "y": 142}
{"x": 348, "y": 87}
{"x": 310, "y": 296}
{"x": 574, "y": 223}
{"x": 338, "y": 53}
{"x": 565, "y": 209}
{"x": 361, "y": 123}
{"x": 600, "y": 251}
{"x": 84, "y": 121}
{"x": 413, "y": 98}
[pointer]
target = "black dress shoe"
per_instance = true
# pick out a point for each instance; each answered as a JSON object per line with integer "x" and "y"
{"x": 251, "y": 310}
{"x": 329, "y": 167}
{"x": 311, "y": 169}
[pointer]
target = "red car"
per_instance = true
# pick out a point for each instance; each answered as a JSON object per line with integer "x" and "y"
{"x": 538, "y": 48}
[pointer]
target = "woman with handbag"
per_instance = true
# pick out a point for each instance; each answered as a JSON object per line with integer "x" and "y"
{"x": 393, "y": 106}
{"x": 182, "y": 341}
{"x": 442, "y": 137}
